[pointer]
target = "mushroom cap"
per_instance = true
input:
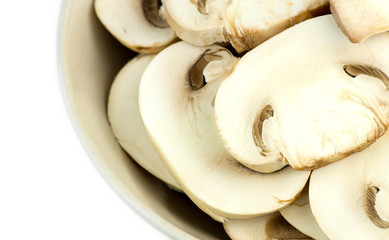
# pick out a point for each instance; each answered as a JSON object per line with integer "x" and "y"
{"x": 126, "y": 122}
{"x": 307, "y": 97}
{"x": 271, "y": 226}
{"x": 300, "y": 216}
{"x": 180, "y": 121}
{"x": 360, "y": 19}
{"x": 349, "y": 198}
{"x": 128, "y": 23}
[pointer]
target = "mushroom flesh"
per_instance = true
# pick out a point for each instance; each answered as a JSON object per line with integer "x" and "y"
{"x": 307, "y": 97}
{"x": 360, "y": 19}
{"x": 177, "y": 108}
{"x": 244, "y": 23}
{"x": 138, "y": 24}
{"x": 349, "y": 198}
{"x": 300, "y": 216}
{"x": 126, "y": 122}
{"x": 271, "y": 226}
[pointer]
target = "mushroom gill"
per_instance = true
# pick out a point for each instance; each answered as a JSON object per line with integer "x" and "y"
{"x": 354, "y": 70}
{"x": 370, "y": 209}
{"x": 152, "y": 11}
{"x": 266, "y": 113}
{"x": 197, "y": 78}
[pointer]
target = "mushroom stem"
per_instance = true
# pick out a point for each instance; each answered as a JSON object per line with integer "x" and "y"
{"x": 151, "y": 11}
{"x": 371, "y": 211}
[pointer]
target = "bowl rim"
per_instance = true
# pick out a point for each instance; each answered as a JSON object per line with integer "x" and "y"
{"x": 136, "y": 205}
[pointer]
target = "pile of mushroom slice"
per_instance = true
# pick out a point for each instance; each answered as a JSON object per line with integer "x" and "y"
{"x": 323, "y": 95}
{"x": 244, "y": 23}
{"x": 324, "y": 99}
{"x": 177, "y": 109}
{"x": 241, "y": 136}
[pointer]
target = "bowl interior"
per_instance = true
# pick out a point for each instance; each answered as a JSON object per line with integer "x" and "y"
{"x": 89, "y": 59}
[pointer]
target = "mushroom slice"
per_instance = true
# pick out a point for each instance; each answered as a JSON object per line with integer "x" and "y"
{"x": 251, "y": 22}
{"x": 177, "y": 108}
{"x": 271, "y": 226}
{"x": 349, "y": 198}
{"x": 299, "y": 215}
{"x": 138, "y": 24}
{"x": 246, "y": 23}
{"x": 307, "y": 97}
{"x": 126, "y": 122}
{"x": 198, "y": 22}
{"x": 360, "y": 19}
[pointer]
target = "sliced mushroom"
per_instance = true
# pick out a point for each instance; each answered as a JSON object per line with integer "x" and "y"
{"x": 246, "y": 23}
{"x": 300, "y": 216}
{"x": 307, "y": 97}
{"x": 360, "y": 19}
{"x": 177, "y": 109}
{"x": 138, "y": 24}
{"x": 350, "y": 198}
{"x": 198, "y": 22}
{"x": 126, "y": 122}
{"x": 271, "y": 226}
{"x": 251, "y": 22}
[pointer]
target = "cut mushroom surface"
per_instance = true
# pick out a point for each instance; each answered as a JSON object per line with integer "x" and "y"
{"x": 246, "y": 23}
{"x": 360, "y": 19}
{"x": 271, "y": 226}
{"x": 198, "y": 22}
{"x": 176, "y": 102}
{"x": 126, "y": 122}
{"x": 307, "y": 97}
{"x": 349, "y": 198}
{"x": 138, "y": 24}
{"x": 300, "y": 216}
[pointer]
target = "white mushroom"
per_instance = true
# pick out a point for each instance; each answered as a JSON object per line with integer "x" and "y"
{"x": 271, "y": 226}
{"x": 246, "y": 23}
{"x": 176, "y": 104}
{"x": 307, "y": 97}
{"x": 349, "y": 198}
{"x": 137, "y": 24}
{"x": 196, "y": 23}
{"x": 360, "y": 19}
{"x": 126, "y": 122}
{"x": 300, "y": 216}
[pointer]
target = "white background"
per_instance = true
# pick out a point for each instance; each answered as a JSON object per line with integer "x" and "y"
{"x": 49, "y": 189}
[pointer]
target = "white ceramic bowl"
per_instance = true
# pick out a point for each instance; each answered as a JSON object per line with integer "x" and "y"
{"x": 89, "y": 58}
